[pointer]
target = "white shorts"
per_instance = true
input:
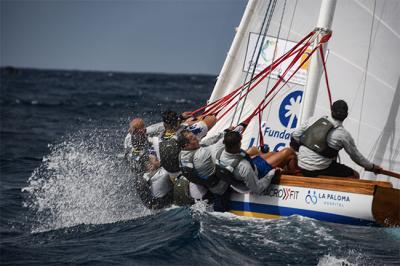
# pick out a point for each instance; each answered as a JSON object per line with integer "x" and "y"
{"x": 199, "y": 129}
{"x": 197, "y": 191}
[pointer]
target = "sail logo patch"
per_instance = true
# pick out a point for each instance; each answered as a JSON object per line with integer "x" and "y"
{"x": 269, "y": 49}
{"x": 290, "y": 108}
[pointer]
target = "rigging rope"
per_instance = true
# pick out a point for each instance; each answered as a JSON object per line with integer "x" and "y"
{"x": 220, "y": 103}
{"x": 321, "y": 51}
{"x": 258, "y": 54}
{"x": 287, "y": 37}
{"x": 290, "y": 53}
{"x": 366, "y": 71}
{"x": 231, "y": 100}
{"x": 262, "y": 104}
{"x": 261, "y": 139}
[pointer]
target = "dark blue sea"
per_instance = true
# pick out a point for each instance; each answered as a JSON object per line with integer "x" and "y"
{"x": 67, "y": 199}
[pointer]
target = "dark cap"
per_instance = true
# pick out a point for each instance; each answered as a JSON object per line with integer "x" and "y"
{"x": 339, "y": 110}
{"x": 170, "y": 117}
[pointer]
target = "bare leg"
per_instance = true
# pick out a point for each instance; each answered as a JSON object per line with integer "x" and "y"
{"x": 253, "y": 151}
{"x": 285, "y": 157}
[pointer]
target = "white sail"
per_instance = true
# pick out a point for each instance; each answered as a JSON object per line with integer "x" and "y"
{"x": 363, "y": 64}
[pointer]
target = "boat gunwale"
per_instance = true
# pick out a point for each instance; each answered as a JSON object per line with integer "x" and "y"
{"x": 350, "y": 185}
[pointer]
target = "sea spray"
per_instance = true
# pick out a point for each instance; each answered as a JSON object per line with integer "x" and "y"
{"x": 81, "y": 181}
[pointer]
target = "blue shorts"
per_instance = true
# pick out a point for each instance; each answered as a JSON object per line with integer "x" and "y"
{"x": 262, "y": 166}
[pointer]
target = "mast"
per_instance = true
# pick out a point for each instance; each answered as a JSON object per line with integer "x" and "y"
{"x": 219, "y": 88}
{"x": 315, "y": 72}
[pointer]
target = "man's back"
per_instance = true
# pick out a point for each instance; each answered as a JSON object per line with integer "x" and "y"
{"x": 337, "y": 139}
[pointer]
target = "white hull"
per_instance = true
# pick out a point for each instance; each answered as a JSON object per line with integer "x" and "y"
{"x": 331, "y": 199}
{"x": 320, "y": 204}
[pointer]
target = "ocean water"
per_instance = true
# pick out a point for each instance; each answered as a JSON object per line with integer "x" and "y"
{"x": 66, "y": 198}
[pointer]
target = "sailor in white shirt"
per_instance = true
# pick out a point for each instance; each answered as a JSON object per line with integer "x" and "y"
{"x": 152, "y": 182}
{"x": 136, "y": 130}
{"x": 321, "y": 138}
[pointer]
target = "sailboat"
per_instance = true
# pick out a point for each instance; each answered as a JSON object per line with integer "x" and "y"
{"x": 363, "y": 63}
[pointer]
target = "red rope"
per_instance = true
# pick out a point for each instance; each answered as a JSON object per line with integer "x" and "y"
{"x": 262, "y": 107}
{"x": 265, "y": 72}
{"x": 297, "y": 57}
{"x": 321, "y": 50}
{"x": 219, "y": 104}
{"x": 264, "y": 103}
{"x": 260, "y": 130}
{"x": 272, "y": 67}
{"x": 297, "y": 69}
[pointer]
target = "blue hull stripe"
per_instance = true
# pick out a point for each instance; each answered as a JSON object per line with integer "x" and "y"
{"x": 286, "y": 211}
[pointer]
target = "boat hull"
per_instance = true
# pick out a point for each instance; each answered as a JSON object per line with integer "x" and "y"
{"x": 348, "y": 201}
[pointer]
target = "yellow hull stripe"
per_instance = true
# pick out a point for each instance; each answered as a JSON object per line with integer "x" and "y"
{"x": 256, "y": 214}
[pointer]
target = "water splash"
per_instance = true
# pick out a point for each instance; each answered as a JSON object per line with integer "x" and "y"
{"x": 82, "y": 181}
{"x": 346, "y": 257}
{"x": 333, "y": 261}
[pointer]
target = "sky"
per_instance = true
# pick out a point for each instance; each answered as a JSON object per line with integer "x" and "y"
{"x": 164, "y": 36}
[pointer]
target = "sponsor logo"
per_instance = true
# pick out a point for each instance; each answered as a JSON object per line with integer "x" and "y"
{"x": 276, "y": 133}
{"x": 290, "y": 108}
{"x": 329, "y": 199}
{"x": 270, "y": 49}
{"x": 311, "y": 198}
{"x": 283, "y": 193}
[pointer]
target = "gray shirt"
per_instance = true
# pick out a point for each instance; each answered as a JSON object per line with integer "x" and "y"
{"x": 204, "y": 160}
{"x": 244, "y": 172}
{"x": 337, "y": 139}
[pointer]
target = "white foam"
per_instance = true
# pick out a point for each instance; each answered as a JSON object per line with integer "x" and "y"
{"x": 82, "y": 182}
{"x": 329, "y": 260}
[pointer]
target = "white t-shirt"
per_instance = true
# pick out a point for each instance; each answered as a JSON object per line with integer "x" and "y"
{"x": 160, "y": 182}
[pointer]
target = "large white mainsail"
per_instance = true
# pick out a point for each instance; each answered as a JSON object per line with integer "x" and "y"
{"x": 363, "y": 65}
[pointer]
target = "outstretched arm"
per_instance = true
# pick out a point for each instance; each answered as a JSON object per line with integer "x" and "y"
{"x": 351, "y": 149}
{"x": 208, "y": 120}
{"x": 212, "y": 140}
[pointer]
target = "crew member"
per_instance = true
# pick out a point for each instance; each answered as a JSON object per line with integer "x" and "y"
{"x": 152, "y": 182}
{"x": 319, "y": 141}
{"x": 155, "y": 189}
{"x": 136, "y": 145}
{"x": 255, "y": 174}
{"x": 197, "y": 162}
{"x": 138, "y": 134}
{"x": 165, "y": 144}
